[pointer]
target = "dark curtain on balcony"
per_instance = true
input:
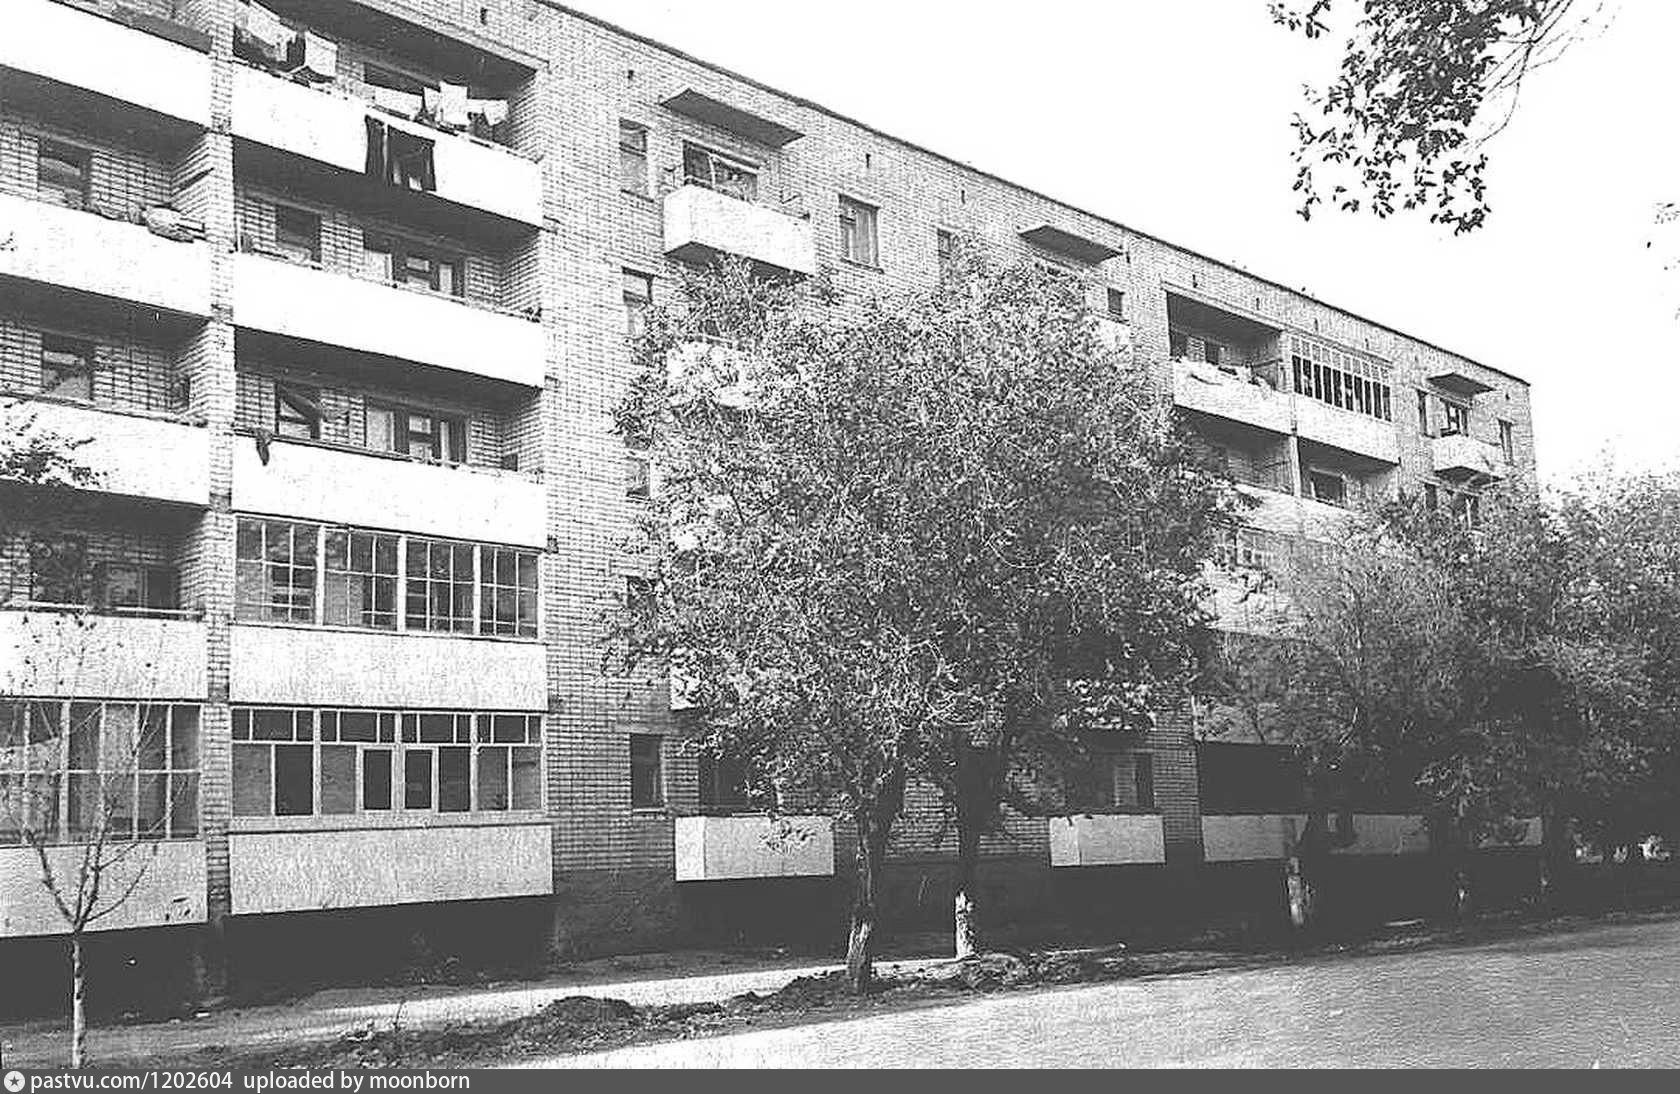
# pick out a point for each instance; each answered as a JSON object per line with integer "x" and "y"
{"x": 399, "y": 158}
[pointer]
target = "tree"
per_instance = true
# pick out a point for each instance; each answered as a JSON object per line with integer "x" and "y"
{"x": 1423, "y": 85}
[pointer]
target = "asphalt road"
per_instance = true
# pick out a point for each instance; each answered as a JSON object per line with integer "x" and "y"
{"x": 1599, "y": 997}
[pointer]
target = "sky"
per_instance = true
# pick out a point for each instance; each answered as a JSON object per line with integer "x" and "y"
{"x": 1173, "y": 118}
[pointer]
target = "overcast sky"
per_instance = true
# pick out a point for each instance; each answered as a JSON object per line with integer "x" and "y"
{"x": 1173, "y": 117}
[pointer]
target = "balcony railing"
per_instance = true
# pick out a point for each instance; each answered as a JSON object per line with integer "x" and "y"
{"x": 700, "y": 222}
{"x": 1460, "y": 456}
{"x": 1205, "y": 388}
{"x": 165, "y": 886}
{"x": 1106, "y": 839}
{"x": 722, "y": 848}
{"x": 59, "y": 652}
{"x": 130, "y": 454}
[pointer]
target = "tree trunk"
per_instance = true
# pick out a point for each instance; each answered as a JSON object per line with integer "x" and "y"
{"x": 968, "y": 861}
{"x": 977, "y": 791}
{"x": 860, "y": 945}
{"x": 78, "y": 1009}
{"x": 1557, "y": 858}
{"x": 1301, "y": 870}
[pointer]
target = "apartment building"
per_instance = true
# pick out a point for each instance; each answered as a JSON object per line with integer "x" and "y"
{"x": 337, "y": 294}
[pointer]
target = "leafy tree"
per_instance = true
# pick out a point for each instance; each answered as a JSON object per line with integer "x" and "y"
{"x": 1422, "y": 86}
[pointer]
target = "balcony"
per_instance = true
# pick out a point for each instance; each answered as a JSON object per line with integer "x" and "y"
{"x": 1347, "y": 430}
{"x": 1387, "y": 834}
{"x": 66, "y": 652}
{"x": 324, "y": 666}
{"x": 728, "y": 848}
{"x": 1106, "y": 839}
{"x": 79, "y": 49}
{"x": 1458, "y": 456}
{"x": 363, "y": 868}
{"x": 1260, "y": 838}
{"x": 131, "y": 455}
{"x": 84, "y": 252}
{"x": 322, "y": 483}
{"x": 700, "y": 223}
{"x": 169, "y": 890}
{"x": 330, "y": 127}
{"x": 410, "y": 324}
{"x": 1204, "y": 388}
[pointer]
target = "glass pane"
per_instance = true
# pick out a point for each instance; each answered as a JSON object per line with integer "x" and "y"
{"x": 454, "y": 780}
{"x": 84, "y": 734}
{"x": 183, "y": 808}
{"x": 253, "y": 779}
{"x": 154, "y": 738}
{"x": 376, "y": 778}
{"x": 183, "y": 740}
{"x": 294, "y": 780}
{"x": 357, "y": 725}
{"x": 493, "y": 778}
{"x": 271, "y": 725}
{"x": 338, "y": 779}
{"x": 150, "y": 816}
{"x": 527, "y": 778}
{"x": 83, "y": 792}
{"x": 437, "y": 728}
{"x": 417, "y": 779}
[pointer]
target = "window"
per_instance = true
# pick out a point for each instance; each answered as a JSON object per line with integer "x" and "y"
{"x": 418, "y": 433}
{"x": 715, "y": 171}
{"x": 1327, "y": 487}
{"x": 946, "y": 242}
{"x": 440, "y": 585}
{"x": 1423, "y": 414}
{"x": 66, "y": 367}
{"x": 725, "y": 786}
{"x": 638, "y": 297}
{"x": 636, "y": 476}
{"x": 275, "y": 571}
{"x": 507, "y": 592}
{"x": 58, "y": 572}
{"x": 647, "y": 776}
{"x": 302, "y": 762}
{"x": 1431, "y": 496}
{"x": 359, "y": 587}
{"x": 1210, "y": 351}
{"x": 132, "y": 588}
{"x": 1178, "y": 345}
{"x": 392, "y": 80}
{"x": 1116, "y": 305}
{"x": 633, "y": 157}
{"x": 638, "y": 595}
{"x": 1246, "y": 549}
{"x": 297, "y": 233}
{"x": 391, "y": 260}
{"x": 857, "y": 233}
{"x": 297, "y": 411}
{"x": 62, "y": 172}
{"x": 78, "y": 770}
{"x": 1143, "y": 779}
{"x": 1091, "y": 788}
{"x": 1455, "y": 418}
{"x": 1346, "y": 380}
{"x": 1507, "y": 441}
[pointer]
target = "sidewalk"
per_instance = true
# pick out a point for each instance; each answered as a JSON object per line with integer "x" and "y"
{"x": 684, "y": 977}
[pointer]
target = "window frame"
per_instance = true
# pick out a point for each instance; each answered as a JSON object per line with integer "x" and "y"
{"x": 59, "y": 572}
{"x": 1455, "y": 418}
{"x": 736, "y": 166}
{"x": 297, "y": 410}
{"x": 1507, "y": 439}
{"x": 860, "y": 225}
{"x": 401, "y": 254}
{"x": 651, "y": 759}
{"x": 633, "y": 150}
{"x": 309, "y": 250}
{"x": 637, "y": 290}
{"x": 59, "y": 151}
{"x": 76, "y": 357}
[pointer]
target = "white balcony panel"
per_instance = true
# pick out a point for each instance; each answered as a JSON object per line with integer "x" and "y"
{"x": 1347, "y": 430}
{"x": 1272, "y": 511}
{"x": 1201, "y": 387}
{"x": 169, "y": 890}
{"x": 110, "y": 656}
{"x": 1248, "y": 838}
{"x": 366, "y": 868}
{"x": 699, "y": 221}
{"x": 303, "y": 302}
{"x": 130, "y": 455}
{"x": 1387, "y": 834}
{"x": 721, "y": 848}
{"x": 82, "y": 50}
{"x": 330, "y": 126}
{"x": 85, "y": 252}
{"x": 1107, "y": 839}
{"x": 1462, "y": 457}
{"x": 328, "y": 484}
{"x": 322, "y": 666}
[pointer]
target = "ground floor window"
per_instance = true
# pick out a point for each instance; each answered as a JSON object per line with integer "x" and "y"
{"x": 291, "y": 762}
{"x": 75, "y": 771}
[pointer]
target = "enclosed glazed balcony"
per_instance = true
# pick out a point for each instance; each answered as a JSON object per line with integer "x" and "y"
{"x": 328, "y": 126}
{"x": 130, "y": 454}
{"x": 167, "y": 879}
{"x": 320, "y": 666}
{"x": 701, "y": 222}
{"x": 356, "y": 487}
{"x": 47, "y": 652}
{"x": 297, "y": 871}
{"x": 1459, "y": 456}
{"x": 1107, "y": 839}
{"x": 83, "y": 252}
{"x": 154, "y": 64}
{"x": 725, "y": 848}
{"x": 300, "y": 301}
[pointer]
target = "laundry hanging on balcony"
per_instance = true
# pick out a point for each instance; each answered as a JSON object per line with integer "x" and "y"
{"x": 446, "y": 105}
{"x": 260, "y": 36}
{"x": 320, "y": 57}
{"x": 398, "y": 157}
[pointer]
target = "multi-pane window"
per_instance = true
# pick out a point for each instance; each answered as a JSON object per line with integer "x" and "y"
{"x": 719, "y": 172}
{"x": 360, "y": 579}
{"x": 647, "y": 772}
{"x": 290, "y": 762}
{"x": 507, "y": 592}
{"x": 1342, "y": 379}
{"x": 1507, "y": 441}
{"x": 80, "y": 771}
{"x": 638, "y": 297}
{"x": 297, "y": 233}
{"x": 1455, "y": 418}
{"x": 422, "y": 434}
{"x": 405, "y": 263}
{"x": 633, "y": 157}
{"x": 137, "y": 589}
{"x": 857, "y": 233}
{"x": 66, "y": 367}
{"x": 275, "y": 571}
{"x": 297, "y": 411}
{"x": 382, "y": 581}
{"x": 63, "y": 173}
{"x": 58, "y": 570}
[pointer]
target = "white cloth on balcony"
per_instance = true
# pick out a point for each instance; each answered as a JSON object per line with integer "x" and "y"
{"x": 264, "y": 27}
{"x": 493, "y": 111}
{"x": 398, "y": 102}
{"x": 448, "y": 105}
{"x": 320, "y": 55}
